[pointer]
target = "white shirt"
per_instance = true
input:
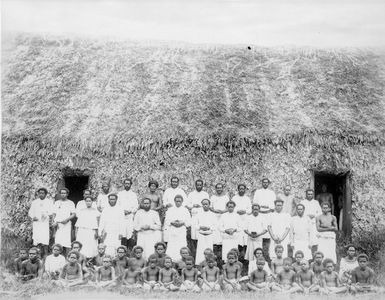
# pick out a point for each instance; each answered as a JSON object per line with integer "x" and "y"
{"x": 288, "y": 202}
{"x": 178, "y": 214}
{"x": 150, "y": 218}
{"x": 87, "y": 218}
{"x": 196, "y": 197}
{"x": 242, "y": 203}
{"x": 279, "y": 222}
{"x": 312, "y": 207}
{"x": 264, "y": 197}
{"x": 41, "y": 209}
{"x": 256, "y": 223}
{"x": 170, "y": 193}
{"x": 300, "y": 228}
{"x": 230, "y": 220}
{"x": 82, "y": 204}
{"x": 53, "y": 264}
{"x": 128, "y": 200}
{"x": 206, "y": 219}
{"x": 219, "y": 202}
{"x": 63, "y": 210}
{"x": 102, "y": 200}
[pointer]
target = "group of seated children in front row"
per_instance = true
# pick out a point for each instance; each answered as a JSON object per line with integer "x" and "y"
{"x": 161, "y": 273}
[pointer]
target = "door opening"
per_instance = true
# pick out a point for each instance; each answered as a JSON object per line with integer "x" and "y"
{"x": 335, "y": 188}
{"x": 76, "y": 186}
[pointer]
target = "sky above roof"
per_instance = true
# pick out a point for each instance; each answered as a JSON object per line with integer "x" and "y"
{"x": 317, "y": 23}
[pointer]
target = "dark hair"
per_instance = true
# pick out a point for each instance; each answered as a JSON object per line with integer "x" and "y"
{"x": 199, "y": 180}
{"x": 73, "y": 252}
{"x": 318, "y": 252}
{"x": 87, "y": 190}
{"x": 230, "y": 202}
{"x": 287, "y": 259}
{"x": 309, "y": 190}
{"x": 362, "y": 255}
{"x": 76, "y": 242}
{"x": 265, "y": 178}
{"x": 122, "y": 247}
{"x": 153, "y": 182}
{"x": 328, "y": 261}
{"x": 256, "y": 204}
{"x": 179, "y": 196}
{"x": 300, "y": 204}
{"x": 190, "y": 258}
{"x": 277, "y": 247}
{"x": 206, "y": 200}
{"x": 242, "y": 184}
{"x": 137, "y": 247}
{"x": 153, "y": 257}
{"x": 325, "y": 203}
{"x": 257, "y": 249}
{"x": 127, "y": 179}
{"x": 219, "y": 183}
{"x": 43, "y": 189}
{"x": 64, "y": 189}
{"x": 113, "y": 195}
{"x": 261, "y": 259}
{"x": 231, "y": 253}
{"x": 160, "y": 243}
{"x": 211, "y": 257}
{"x": 299, "y": 252}
{"x": 88, "y": 197}
{"x": 34, "y": 249}
{"x": 58, "y": 246}
{"x": 174, "y": 177}
{"x": 350, "y": 246}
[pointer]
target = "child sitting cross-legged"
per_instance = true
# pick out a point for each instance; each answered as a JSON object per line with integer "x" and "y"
{"x": 137, "y": 260}
{"x": 23, "y": 255}
{"x": 105, "y": 275}
{"x": 131, "y": 277}
{"x": 210, "y": 275}
{"x": 306, "y": 278}
{"x": 363, "y": 276}
{"x": 317, "y": 267}
{"x": 277, "y": 262}
{"x": 298, "y": 258}
{"x": 71, "y": 274}
{"x": 330, "y": 282}
{"x": 231, "y": 273}
{"x": 259, "y": 277}
{"x": 150, "y": 274}
{"x": 189, "y": 276}
{"x": 167, "y": 276}
{"x": 286, "y": 279}
{"x": 31, "y": 268}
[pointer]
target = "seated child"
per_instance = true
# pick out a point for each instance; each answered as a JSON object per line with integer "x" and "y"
{"x": 167, "y": 276}
{"x": 120, "y": 262}
{"x": 77, "y": 246}
{"x": 317, "y": 267}
{"x": 237, "y": 262}
{"x": 189, "y": 276}
{"x": 207, "y": 253}
{"x": 210, "y": 275}
{"x": 97, "y": 261}
{"x": 277, "y": 262}
{"x": 71, "y": 274}
{"x": 54, "y": 263}
{"x": 362, "y": 276}
{"x": 231, "y": 273}
{"x": 286, "y": 279}
{"x": 298, "y": 258}
{"x": 105, "y": 275}
{"x": 23, "y": 255}
{"x": 131, "y": 277}
{"x": 137, "y": 261}
{"x": 32, "y": 267}
{"x": 160, "y": 252}
{"x": 150, "y": 274}
{"x": 306, "y": 278}
{"x": 258, "y": 253}
{"x": 181, "y": 264}
{"x": 259, "y": 277}
{"x": 348, "y": 264}
{"x": 330, "y": 282}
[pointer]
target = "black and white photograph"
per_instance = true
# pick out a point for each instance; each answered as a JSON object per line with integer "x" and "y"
{"x": 174, "y": 149}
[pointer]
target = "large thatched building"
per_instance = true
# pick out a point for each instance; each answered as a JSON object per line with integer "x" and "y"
{"x": 76, "y": 112}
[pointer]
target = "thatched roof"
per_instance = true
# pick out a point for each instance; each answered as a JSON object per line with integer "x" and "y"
{"x": 95, "y": 94}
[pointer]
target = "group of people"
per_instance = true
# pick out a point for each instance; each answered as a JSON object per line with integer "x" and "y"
{"x": 117, "y": 221}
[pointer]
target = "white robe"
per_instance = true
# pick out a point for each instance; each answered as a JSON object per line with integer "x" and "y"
{"x": 82, "y": 204}
{"x": 147, "y": 238}
{"x": 86, "y": 224}
{"x": 54, "y": 264}
{"x": 242, "y": 203}
{"x": 264, "y": 197}
{"x": 205, "y": 219}
{"x": 62, "y": 211}
{"x": 279, "y": 222}
{"x": 254, "y": 224}
{"x": 288, "y": 204}
{"x": 312, "y": 207}
{"x": 112, "y": 223}
{"x": 102, "y": 200}
{"x": 300, "y": 235}
{"x": 227, "y": 221}
{"x": 176, "y": 235}
{"x": 170, "y": 193}
{"x": 41, "y": 209}
{"x": 128, "y": 200}
{"x": 195, "y": 197}
{"x": 218, "y": 202}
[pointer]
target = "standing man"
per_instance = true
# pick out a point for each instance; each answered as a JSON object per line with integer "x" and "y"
{"x": 63, "y": 212}
{"x": 279, "y": 228}
{"x": 255, "y": 228}
{"x": 289, "y": 205}
{"x": 230, "y": 227}
{"x": 327, "y": 228}
{"x": 312, "y": 210}
{"x": 325, "y": 196}
{"x": 128, "y": 202}
{"x": 171, "y": 192}
{"x": 82, "y": 203}
{"x": 300, "y": 232}
{"x": 243, "y": 209}
{"x": 112, "y": 225}
{"x": 102, "y": 200}
{"x": 154, "y": 195}
{"x": 218, "y": 207}
{"x": 40, "y": 211}
{"x": 148, "y": 226}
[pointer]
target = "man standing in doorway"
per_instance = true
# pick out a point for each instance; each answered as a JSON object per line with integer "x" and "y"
{"x": 327, "y": 228}
{"x": 325, "y": 196}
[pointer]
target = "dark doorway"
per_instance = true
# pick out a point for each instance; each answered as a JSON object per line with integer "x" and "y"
{"x": 338, "y": 186}
{"x": 76, "y": 186}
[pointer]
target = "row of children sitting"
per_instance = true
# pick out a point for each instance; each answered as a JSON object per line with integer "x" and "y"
{"x": 161, "y": 273}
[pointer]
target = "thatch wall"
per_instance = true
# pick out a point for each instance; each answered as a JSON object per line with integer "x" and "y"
{"x": 220, "y": 113}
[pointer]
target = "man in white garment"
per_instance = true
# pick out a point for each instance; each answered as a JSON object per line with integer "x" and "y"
{"x": 218, "y": 207}
{"x": 289, "y": 205}
{"x": 206, "y": 226}
{"x": 279, "y": 228}
{"x": 111, "y": 225}
{"x": 312, "y": 210}
{"x": 102, "y": 199}
{"x": 128, "y": 201}
{"x": 82, "y": 204}
{"x": 40, "y": 211}
{"x": 230, "y": 227}
{"x": 171, "y": 192}
{"x": 300, "y": 232}
{"x": 255, "y": 228}
{"x": 194, "y": 203}
{"x": 327, "y": 228}
{"x": 64, "y": 211}
{"x": 243, "y": 209}
{"x": 148, "y": 226}
{"x": 177, "y": 221}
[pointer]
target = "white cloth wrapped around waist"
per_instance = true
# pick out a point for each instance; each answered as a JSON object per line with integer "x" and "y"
{"x": 326, "y": 235}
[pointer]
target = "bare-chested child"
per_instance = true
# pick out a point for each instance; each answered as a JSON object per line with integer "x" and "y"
{"x": 259, "y": 277}
{"x": 137, "y": 260}
{"x": 277, "y": 262}
{"x": 105, "y": 275}
{"x": 23, "y": 256}
{"x": 189, "y": 276}
{"x": 330, "y": 282}
{"x": 362, "y": 276}
{"x": 120, "y": 262}
{"x": 32, "y": 267}
{"x": 207, "y": 253}
{"x": 71, "y": 274}
{"x": 167, "y": 276}
{"x": 298, "y": 256}
{"x": 77, "y": 246}
{"x": 317, "y": 267}
{"x": 286, "y": 279}
{"x": 258, "y": 253}
{"x": 132, "y": 277}
{"x": 231, "y": 273}
{"x": 210, "y": 275}
{"x": 150, "y": 274}
{"x": 97, "y": 261}
{"x": 306, "y": 278}
{"x": 181, "y": 264}
{"x": 160, "y": 252}
{"x": 237, "y": 262}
